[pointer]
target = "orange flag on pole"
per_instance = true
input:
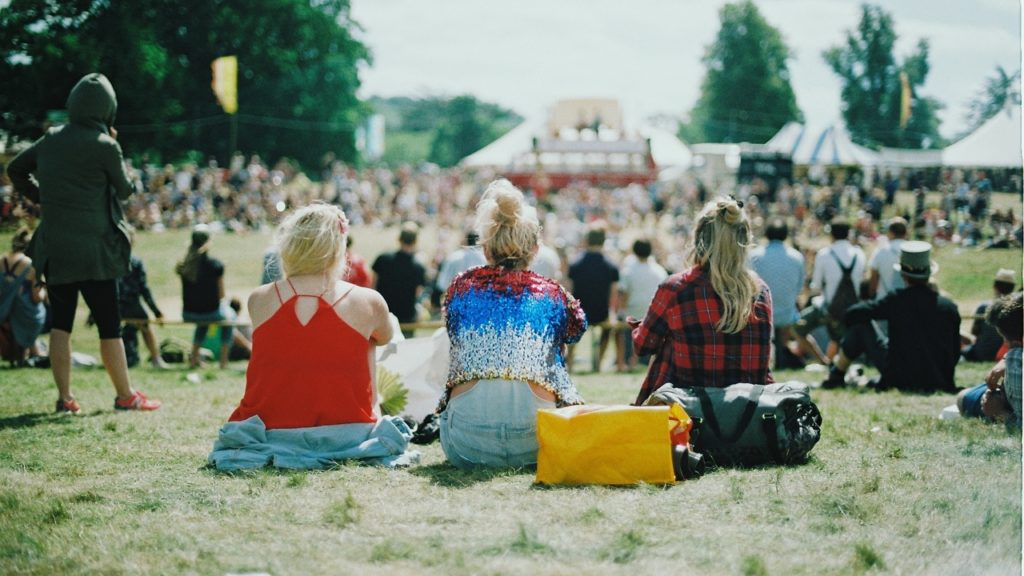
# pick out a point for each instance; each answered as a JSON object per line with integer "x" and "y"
{"x": 225, "y": 82}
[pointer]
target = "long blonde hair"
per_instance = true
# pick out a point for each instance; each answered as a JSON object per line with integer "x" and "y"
{"x": 508, "y": 227}
{"x": 721, "y": 241}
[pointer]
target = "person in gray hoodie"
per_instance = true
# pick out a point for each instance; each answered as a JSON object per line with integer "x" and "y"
{"x": 76, "y": 174}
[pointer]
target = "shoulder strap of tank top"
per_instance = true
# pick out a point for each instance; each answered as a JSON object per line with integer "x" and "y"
{"x": 343, "y": 295}
{"x": 278, "y": 290}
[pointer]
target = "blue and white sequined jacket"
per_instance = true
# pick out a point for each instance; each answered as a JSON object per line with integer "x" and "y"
{"x": 511, "y": 325}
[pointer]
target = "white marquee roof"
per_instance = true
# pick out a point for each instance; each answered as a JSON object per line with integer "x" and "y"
{"x": 815, "y": 146}
{"x": 995, "y": 144}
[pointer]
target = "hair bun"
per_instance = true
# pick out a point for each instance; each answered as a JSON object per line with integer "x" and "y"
{"x": 729, "y": 210}
{"x": 508, "y": 207}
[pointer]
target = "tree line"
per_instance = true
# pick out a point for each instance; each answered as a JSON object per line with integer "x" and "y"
{"x": 746, "y": 94}
{"x": 298, "y": 75}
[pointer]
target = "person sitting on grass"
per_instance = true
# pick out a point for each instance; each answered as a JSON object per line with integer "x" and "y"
{"x": 999, "y": 397}
{"x": 21, "y": 298}
{"x": 133, "y": 290}
{"x": 711, "y": 324}
{"x": 508, "y": 328}
{"x": 923, "y": 343}
{"x": 310, "y": 396}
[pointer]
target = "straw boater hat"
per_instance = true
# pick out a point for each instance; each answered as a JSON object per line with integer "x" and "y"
{"x": 916, "y": 260}
{"x": 1006, "y": 276}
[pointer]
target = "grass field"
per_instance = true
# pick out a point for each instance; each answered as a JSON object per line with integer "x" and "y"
{"x": 889, "y": 489}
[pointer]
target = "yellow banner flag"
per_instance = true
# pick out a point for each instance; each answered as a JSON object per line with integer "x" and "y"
{"x": 225, "y": 82}
{"x": 905, "y": 97}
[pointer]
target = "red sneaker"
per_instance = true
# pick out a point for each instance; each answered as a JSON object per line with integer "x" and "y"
{"x": 137, "y": 401}
{"x": 68, "y": 406}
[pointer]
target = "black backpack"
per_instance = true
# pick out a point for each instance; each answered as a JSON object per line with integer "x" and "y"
{"x": 846, "y": 293}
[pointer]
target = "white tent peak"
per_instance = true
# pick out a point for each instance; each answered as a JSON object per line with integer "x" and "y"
{"x": 821, "y": 146}
{"x": 995, "y": 144}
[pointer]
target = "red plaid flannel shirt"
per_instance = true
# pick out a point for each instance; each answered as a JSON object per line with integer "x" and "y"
{"x": 679, "y": 330}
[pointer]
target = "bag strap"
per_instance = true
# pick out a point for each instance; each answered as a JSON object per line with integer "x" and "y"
{"x": 771, "y": 431}
{"x": 708, "y": 408}
{"x": 845, "y": 269}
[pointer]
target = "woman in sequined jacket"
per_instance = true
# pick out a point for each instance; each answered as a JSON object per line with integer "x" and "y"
{"x": 508, "y": 329}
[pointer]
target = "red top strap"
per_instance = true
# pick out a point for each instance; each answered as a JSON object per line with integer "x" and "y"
{"x": 340, "y": 298}
{"x": 278, "y": 290}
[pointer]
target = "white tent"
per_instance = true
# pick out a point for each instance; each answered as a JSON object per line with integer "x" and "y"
{"x": 995, "y": 144}
{"x": 909, "y": 158}
{"x": 811, "y": 146}
{"x": 514, "y": 149}
{"x": 504, "y": 151}
{"x": 668, "y": 150}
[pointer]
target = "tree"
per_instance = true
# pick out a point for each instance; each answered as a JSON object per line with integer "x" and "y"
{"x": 746, "y": 93}
{"x": 999, "y": 91}
{"x": 297, "y": 81}
{"x": 466, "y": 126}
{"x": 872, "y": 89}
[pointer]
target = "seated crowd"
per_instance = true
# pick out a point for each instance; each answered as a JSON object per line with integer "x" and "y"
{"x": 311, "y": 396}
{"x": 509, "y": 328}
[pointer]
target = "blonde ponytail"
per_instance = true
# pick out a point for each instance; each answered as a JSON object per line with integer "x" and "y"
{"x": 721, "y": 241}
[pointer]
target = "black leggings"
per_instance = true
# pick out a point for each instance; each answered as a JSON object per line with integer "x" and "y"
{"x": 101, "y": 298}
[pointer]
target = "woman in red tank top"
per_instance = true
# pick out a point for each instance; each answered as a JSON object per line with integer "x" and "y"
{"x": 314, "y": 334}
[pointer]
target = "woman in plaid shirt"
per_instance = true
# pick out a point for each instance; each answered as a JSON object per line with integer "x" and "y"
{"x": 711, "y": 324}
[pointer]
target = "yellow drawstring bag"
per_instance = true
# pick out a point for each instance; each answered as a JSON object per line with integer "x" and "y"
{"x": 595, "y": 444}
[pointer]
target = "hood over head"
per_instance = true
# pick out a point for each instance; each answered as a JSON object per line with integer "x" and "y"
{"x": 92, "y": 102}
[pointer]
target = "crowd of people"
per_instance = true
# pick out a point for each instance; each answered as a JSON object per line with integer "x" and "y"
{"x": 697, "y": 302}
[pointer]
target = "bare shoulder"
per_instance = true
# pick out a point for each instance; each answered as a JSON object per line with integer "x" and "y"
{"x": 263, "y": 302}
{"x": 367, "y": 297}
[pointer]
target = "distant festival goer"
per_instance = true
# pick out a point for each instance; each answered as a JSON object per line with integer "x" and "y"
{"x": 202, "y": 294}
{"x": 923, "y": 344}
{"x": 986, "y": 340}
{"x": 508, "y": 329}
{"x": 782, "y": 268}
{"x": 594, "y": 279}
{"x": 999, "y": 397}
{"x": 21, "y": 296}
{"x": 81, "y": 245}
{"x": 711, "y": 324}
{"x": 401, "y": 277}
{"x": 640, "y": 281}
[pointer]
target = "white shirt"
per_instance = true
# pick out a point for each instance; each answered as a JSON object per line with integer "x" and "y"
{"x": 827, "y": 274}
{"x": 459, "y": 261}
{"x": 886, "y": 255}
{"x": 640, "y": 281}
{"x": 547, "y": 263}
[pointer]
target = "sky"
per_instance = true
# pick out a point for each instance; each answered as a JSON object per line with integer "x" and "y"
{"x": 527, "y": 54}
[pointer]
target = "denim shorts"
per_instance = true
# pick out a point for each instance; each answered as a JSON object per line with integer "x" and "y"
{"x": 971, "y": 406}
{"x": 494, "y": 423}
{"x": 223, "y": 312}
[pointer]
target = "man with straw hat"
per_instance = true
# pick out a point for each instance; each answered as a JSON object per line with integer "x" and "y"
{"x": 923, "y": 345}
{"x": 985, "y": 341}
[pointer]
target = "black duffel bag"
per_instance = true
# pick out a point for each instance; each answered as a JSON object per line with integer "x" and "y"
{"x": 748, "y": 424}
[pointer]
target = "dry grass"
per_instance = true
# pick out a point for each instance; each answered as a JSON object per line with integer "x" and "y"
{"x": 890, "y": 488}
